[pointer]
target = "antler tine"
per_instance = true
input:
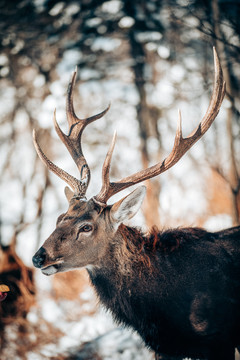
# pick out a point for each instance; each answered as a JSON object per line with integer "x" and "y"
{"x": 71, "y": 115}
{"x": 106, "y": 185}
{"x": 73, "y": 143}
{"x": 181, "y": 145}
{"x": 76, "y": 126}
{"x": 74, "y": 183}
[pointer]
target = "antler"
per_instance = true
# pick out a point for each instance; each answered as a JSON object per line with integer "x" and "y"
{"x": 73, "y": 143}
{"x": 181, "y": 145}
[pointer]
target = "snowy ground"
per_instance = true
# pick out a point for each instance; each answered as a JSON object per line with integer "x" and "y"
{"x": 71, "y": 329}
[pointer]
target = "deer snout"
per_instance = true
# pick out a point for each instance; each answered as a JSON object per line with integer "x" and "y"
{"x": 39, "y": 258}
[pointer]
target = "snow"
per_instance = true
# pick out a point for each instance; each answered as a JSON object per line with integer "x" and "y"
{"x": 126, "y": 22}
{"x": 106, "y": 44}
{"x": 92, "y": 331}
{"x": 112, "y": 7}
{"x": 218, "y": 222}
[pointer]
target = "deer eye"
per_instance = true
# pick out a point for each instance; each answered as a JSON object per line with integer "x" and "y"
{"x": 86, "y": 228}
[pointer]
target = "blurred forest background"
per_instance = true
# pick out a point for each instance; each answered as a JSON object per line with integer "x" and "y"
{"x": 149, "y": 59}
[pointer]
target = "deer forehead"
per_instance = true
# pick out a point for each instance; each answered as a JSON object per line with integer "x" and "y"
{"x": 83, "y": 210}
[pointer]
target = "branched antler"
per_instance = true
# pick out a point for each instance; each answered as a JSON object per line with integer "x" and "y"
{"x": 181, "y": 145}
{"x": 73, "y": 143}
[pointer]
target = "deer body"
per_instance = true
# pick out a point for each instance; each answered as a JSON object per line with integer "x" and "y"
{"x": 179, "y": 289}
{"x": 183, "y": 301}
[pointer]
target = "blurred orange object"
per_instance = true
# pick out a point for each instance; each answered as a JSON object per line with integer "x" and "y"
{"x": 4, "y": 289}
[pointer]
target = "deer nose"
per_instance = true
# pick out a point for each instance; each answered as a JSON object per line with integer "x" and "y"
{"x": 39, "y": 258}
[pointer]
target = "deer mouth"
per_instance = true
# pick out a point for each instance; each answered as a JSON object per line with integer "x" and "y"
{"x": 52, "y": 268}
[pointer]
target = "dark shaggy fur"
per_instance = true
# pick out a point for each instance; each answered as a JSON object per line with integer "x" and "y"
{"x": 179, "y": 289}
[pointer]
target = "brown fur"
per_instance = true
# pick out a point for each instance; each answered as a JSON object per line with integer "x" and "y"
{"x": 154, "y": 239}
{"x": 176, "y": 288}
{"x": 146, "y": 245}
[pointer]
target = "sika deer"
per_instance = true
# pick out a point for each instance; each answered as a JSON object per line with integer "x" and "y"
{"x": 179, "y": 289}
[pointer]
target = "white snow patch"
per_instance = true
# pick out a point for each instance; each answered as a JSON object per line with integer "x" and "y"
{"x": 105, "y": 44}
{"x": 218, "y": 222}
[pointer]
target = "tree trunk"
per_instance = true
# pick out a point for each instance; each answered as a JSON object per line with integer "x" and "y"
{"x": 151, "y": 204}
{"x": 233, "y": 177}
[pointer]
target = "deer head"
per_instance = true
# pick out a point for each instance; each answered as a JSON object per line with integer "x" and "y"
{"x": 83, "y": 233}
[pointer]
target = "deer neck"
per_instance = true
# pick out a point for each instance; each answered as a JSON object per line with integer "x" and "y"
{"x": 122, "y": 265}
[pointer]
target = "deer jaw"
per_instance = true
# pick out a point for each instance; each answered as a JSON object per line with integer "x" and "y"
{"x": 84, "y": 233}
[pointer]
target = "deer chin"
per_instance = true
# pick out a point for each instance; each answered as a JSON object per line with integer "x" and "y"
{"x": 52, "y": 269}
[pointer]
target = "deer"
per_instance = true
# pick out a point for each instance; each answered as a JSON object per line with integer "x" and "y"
{"x": 179, "y": 289}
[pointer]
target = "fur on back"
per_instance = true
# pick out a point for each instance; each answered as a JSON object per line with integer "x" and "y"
{"x": 166, "y": 241}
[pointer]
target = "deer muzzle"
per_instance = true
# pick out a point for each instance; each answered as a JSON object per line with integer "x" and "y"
{"x": 40, "y": 260}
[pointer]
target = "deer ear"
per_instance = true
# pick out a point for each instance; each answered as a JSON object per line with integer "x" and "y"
{"x": 68, "y": 193}
{"x": 127, "y": 207}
